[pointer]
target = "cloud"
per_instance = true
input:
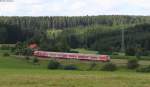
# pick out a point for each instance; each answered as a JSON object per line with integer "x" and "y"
{"x": 7, "y": 8}
{"x": 74, "y": 7}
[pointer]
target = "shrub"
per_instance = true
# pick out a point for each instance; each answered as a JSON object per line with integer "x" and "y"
{"x": 109, "y": 67}
{"x": 27, "y": 52}
{"x": 132, "y": 63}
{"x": 138, "y": 53}
{"x": 35, "y": 60}
{"x": 6, "y": 54}
{"x": 53, "y": 64}
{"x": 72, "y": 51}
{"x": 144, "y": 69}
{"x": 27, "y": 58}
{"x": 70, "y": 67}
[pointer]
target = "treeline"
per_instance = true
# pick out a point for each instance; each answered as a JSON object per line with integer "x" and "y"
{"x": 10, "y": 34}
{"x": 27, "y": 27}
{"x": 43, "y": 23}
{"x": 102, "y": 33}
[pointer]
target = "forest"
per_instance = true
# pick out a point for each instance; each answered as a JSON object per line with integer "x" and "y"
{"x": 101, "y": 33}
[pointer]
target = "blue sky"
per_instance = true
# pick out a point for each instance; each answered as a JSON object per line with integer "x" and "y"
{"x": 74, "y": 7}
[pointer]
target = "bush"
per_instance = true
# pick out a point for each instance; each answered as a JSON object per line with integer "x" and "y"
{"x": 144, "y": 69}
{"x": 27, "y": 58}
{"x": 72, "y": 51}
{"x": 132, "y": 63}
{"x": 109, "y": 67}
{"x": 70, "y": 67}
{"x": 53, "y": 64}
{"x": 27, "y": 52}
{"x": 35, "y": 60}
{"x": 6, "y": 54}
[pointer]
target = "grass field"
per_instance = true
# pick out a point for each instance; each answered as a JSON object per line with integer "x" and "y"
{"x": 60, "y": 78}
{"x": 17, "y": 72}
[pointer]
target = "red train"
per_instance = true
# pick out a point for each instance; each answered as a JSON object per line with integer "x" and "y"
{"x": 61, "y": 55}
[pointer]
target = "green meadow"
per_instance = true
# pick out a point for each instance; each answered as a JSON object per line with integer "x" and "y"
{"x": 15, "y": 71}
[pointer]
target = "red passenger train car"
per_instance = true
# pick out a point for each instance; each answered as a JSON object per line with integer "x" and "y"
{"x": 61, "y": 55}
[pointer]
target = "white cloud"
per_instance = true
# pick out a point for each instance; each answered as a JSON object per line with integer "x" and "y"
{"x": 141, "y": 3}
{"x": 74, "y": 7}
{"x": 7, "y": 8}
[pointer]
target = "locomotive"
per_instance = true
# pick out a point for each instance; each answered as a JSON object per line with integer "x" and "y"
{"x": 78, "y": 56}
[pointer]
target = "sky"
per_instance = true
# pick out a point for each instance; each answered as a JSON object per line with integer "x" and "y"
{"x": 74, "y": 7}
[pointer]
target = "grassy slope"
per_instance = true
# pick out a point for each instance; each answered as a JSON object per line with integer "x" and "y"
{"x": 19, "y": 73}
{"x": 15, "y": 63}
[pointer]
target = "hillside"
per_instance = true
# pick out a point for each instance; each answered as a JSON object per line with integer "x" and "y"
{"x": 17, "y": 72}
{"x": 106, "y": 38}
{"x": 100, "y": 33}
